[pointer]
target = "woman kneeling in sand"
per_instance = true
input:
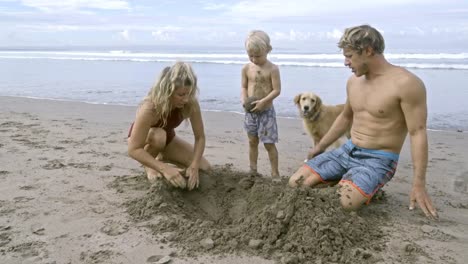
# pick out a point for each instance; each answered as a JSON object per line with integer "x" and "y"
{"x": 170, "y": 101}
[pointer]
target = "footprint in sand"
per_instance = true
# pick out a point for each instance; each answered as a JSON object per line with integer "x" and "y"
{"x": 101, "y": 256}
{"x": 460, "y": 184}
{"x": 113, "y": 228}
{"x": 30, "y": 249}
{"x": 22, "y": 199}
{"x": 5, "y": 236}
{"x": 106, "y": 167}
{"x": 53, "y": 165}
{"x": 27, "y": 187}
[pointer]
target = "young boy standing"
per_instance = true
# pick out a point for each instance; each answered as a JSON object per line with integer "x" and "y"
{"x": 260, "y": 85}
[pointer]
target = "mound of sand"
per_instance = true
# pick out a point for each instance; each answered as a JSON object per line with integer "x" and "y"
{"x": 234, "y": 213}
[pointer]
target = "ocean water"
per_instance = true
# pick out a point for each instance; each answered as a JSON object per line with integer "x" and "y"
{"x": 123, "y": 77}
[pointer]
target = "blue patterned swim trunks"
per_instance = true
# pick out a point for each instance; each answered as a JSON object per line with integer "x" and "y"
{"x": 263, "y": 125}
{"x": 366, "y": 169}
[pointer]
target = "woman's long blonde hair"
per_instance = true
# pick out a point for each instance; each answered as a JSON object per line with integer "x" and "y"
{"x": 179, "y": 75}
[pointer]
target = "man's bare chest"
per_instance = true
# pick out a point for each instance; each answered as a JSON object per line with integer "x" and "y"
{"x": 378, "y": 103}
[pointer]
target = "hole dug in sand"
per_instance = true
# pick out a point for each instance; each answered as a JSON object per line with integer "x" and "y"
{"x": 234, "y": 213}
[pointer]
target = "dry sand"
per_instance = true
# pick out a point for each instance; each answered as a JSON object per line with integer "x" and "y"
{"x": 70, "y": 194}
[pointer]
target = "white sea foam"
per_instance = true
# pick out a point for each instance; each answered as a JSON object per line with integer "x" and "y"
{"x": 458, "y": 61}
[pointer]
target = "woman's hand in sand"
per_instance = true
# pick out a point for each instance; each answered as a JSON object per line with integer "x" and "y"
{"x": 419, "y": 195}
{"x": 174, "y": 177}
{"x": 193, "y": 177}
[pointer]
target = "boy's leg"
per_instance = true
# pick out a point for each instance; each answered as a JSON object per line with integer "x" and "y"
{"x": 273, "y": 156}
{"x": 253, "y": 153}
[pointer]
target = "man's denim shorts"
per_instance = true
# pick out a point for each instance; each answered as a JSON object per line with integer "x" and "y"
{"x": 366, "y": 169}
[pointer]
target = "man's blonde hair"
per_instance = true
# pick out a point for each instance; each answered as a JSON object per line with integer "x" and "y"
{"x": 258, "y": 41}
{"x": 179, "y": 75}
{"x": 361, "y": 37}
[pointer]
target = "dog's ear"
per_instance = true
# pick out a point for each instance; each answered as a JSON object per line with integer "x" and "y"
{"x": 297, "y": 98}
{"x": 318, "y": 103}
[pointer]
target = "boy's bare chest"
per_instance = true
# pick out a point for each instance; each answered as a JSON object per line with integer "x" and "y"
{"x": 258, "y": 74}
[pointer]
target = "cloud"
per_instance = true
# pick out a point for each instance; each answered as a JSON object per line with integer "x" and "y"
{"x": 278, "y": 8}
{"x": 165, "y": 33}
{"x": 335, "y": 34}
{"x": 60, "y": 5}
{"x": 208, "y": 5}
{"x": 292, "y": 35}
{"x": 125, "y": 35}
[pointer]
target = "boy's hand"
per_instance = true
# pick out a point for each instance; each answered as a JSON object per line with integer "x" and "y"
{"x": 259, "y": 106}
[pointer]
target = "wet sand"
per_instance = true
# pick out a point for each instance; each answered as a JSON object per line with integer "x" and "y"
{"x": 70, "y": 194}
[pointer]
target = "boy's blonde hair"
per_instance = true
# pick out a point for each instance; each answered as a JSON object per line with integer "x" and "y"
{"x": 179, "y": 75}
{"x": 361, "y": 37}
{"x": 258, "y": 42}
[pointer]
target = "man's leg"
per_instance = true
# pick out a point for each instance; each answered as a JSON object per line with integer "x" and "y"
{"x": 351, "y": 197}
{"x": 304, "y": 176}
{"x": 323, "y": 170}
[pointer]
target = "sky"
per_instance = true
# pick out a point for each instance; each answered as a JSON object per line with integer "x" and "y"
{"x": 291, "y": 24}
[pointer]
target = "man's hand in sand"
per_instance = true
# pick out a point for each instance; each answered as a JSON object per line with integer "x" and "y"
{"x": 315, "y": 151}
{"x": 419, "y": 195}
{"x": 174, "y": 177}
{"x": 193, "y": 177}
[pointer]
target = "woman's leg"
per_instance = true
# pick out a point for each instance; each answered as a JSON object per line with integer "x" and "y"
{"x": 155, "y": 144}
{"x": 181, "y": 152}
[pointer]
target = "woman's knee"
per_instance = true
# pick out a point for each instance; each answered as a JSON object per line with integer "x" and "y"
{"x": 157, "y": 138}
{"x": 205, "y": 165}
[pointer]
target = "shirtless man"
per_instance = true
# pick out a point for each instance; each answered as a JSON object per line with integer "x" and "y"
{"x": 384, "y": 104}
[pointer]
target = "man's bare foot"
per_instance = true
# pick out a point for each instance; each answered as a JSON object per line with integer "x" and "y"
{"x": 152, "y": 174}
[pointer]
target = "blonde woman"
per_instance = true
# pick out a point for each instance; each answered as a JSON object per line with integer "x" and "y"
{"x": 171, "y": 100}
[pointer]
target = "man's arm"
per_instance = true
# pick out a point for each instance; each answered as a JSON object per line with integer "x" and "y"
{"x": 414, "y": 107}
{"x": 339, "y": 127}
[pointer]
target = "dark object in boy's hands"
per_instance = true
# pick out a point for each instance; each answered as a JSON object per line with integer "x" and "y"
{"x": 248, "y": 106}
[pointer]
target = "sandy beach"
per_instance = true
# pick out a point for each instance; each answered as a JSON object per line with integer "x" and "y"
{"x": 70, "y": 194}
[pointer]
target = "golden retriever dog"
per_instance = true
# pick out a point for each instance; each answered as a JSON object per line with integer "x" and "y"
{"x": 317, "y": 117}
